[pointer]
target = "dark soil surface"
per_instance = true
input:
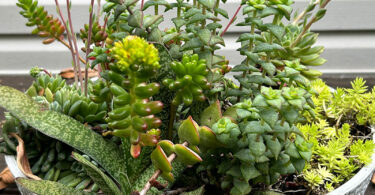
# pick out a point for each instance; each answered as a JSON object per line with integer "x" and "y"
{"x": 23, "y": 82}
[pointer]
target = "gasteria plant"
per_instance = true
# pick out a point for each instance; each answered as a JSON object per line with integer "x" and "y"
{"x": 162, "y": 102}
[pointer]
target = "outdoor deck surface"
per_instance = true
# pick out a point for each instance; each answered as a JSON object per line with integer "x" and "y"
{"x": 22, "y": 83}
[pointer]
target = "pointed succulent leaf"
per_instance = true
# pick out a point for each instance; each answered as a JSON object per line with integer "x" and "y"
{"x": 221, "y": 12}
{"x": 245, "y": 156}
{"x": 186, "y": 155}
{"x": 135, "y": 19}
{"x": 105, "y": 183}
{"x": 255, "y": 127}
{"x": 270, "y": 115}
{"x": 150, "y": 20}
{"x": 273, "y": 145}
{"x": 210, "y": 4}
{"x": 205, "y": 36}
{"x": 277, "y": 31}
{"x": 207, "y": 138}
{"x": 211, "y": 114}
{"x": 52, "y": 123}
{"x": 167, "y": 146}
{"x": 266, "y": 47}
{"x": 256, "y": 145}
{"x": 188, "y": 131}
{"x": 242, "y": 186}
{"x": 44, "y": 187}
{"x": 249, "y": 171}
{"x": 178, "y": 22}
{"x": 290, "y": 114}
{"x": 160, "y": 160}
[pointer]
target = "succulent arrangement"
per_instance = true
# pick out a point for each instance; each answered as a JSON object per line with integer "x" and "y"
{"x": 338, "y": 134}
{"x": 163, "y": 106}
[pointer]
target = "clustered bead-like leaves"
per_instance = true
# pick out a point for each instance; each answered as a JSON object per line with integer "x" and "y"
{"x": 46, "y": 25}
{"x": 190, "y": 80}
{"x": 135, "y": 54}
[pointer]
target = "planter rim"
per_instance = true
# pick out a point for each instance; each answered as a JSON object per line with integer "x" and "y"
{"x": 359, "y": 182}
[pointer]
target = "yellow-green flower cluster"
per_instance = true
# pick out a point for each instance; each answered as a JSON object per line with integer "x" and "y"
{"x": 134, "y": 50}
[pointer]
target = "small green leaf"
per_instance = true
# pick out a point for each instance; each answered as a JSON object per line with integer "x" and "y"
{"x": 135, "y": 19}
{"x": 242, "y": 186}
{"x": 221, "y": 12}
{"x": 186, "y": 155}
{"x": 150, "y": 20}
{"x": 210, "y": 4}
{"x": 277, "y": 31}
{"x": 188, "y": 131}
{"x": 256, "y": 145}
{"x": 245, "y": 156}
{"x": 169, "y": 37}
{"x": 160, "y": 160}
{"x": 273, "y": 145}
{"x": 211, "y": 114}
{"x": 268, "y": 67}
{"x": 192, "y": 44}
{"x": 205, "y": 36}
{"x": 207, "y": 138}
{"x": 178, "y": 22}
{"x": 270, "y": 115}
{"x": 249, "y": 171}
{"x": 256, "y": 127}
{"x": 266, "y": 47}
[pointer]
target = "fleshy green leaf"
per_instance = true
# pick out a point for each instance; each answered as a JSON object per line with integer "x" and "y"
{"x": 105, "y": 183}
{"x": 211, "y": 114}
{"x": 160, "y": 160}
{"x": 199, "y": 191}
{"x": 65, "y": 129}
{"x": 44, "y": 187}
{"x": 188, "y": 131}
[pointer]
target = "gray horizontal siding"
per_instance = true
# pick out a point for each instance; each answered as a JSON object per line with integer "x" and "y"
{"x": 347, "y": 32}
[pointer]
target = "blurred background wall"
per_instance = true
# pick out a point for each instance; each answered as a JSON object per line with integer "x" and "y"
{"x": 347, "y": 32}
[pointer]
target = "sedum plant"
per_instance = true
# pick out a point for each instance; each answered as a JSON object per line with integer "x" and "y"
{"x": 162, "y": 102}
{"x": 338, "y": 150}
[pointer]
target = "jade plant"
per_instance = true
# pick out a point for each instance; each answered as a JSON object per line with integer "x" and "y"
{"x": 340, "y": 134}
{"x": 162, "y": 104}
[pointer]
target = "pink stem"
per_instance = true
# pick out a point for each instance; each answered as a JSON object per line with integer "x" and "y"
{"x": 70, "y": 43}
{"x": 231, "y": 21}
{"x": 75, "y": 44}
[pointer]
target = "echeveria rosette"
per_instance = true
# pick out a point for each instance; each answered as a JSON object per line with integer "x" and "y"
{"x": 191, "y": 79}
{"x": 134, "y": 54}
{"x": 226, "y": 132}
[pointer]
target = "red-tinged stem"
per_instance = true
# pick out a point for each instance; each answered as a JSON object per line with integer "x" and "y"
{"x": 74, "y": 43}
{"x": 231, "y": 21}
{"x": 88, "y": 43}
{"x": 70, "y": 46}
{"x": 46, "y": 71}
{"x": 157, "y": 173}
{"x": 142, "y": 4}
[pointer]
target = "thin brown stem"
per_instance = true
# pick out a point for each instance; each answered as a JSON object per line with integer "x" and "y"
{"x": 69, "y": 45}
{"x": 46, "y": 71}
{"x": 231, "y": 21}
{"x": 74, "y": 43}
{"x": 88, "y": 43}
{"x": 157, "y": 173}
{"x": 302, "y": 14}
{"x": 308, "y": 26}
{"x": 172, "y": 115}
